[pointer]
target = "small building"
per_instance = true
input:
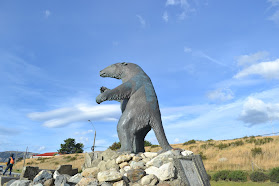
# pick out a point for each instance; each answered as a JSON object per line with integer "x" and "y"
{"x": 46, "y": 155}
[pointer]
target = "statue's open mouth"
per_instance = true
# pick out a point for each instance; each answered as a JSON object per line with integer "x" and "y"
{"x": 102, "y": 74}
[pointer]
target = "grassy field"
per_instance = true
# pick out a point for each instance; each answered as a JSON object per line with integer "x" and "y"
{"x": 249, "y": 183}
{"x": 235, "y": 154}
{"x": 76, "y": 160}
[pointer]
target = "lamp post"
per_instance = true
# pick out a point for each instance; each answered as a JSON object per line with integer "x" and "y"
{"x": 92, "y": 148}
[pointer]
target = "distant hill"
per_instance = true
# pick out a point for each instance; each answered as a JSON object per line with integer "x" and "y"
{"x": 4, "y": 156}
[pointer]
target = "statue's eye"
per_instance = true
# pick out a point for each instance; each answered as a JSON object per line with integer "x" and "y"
{"x": 124, "y": 63}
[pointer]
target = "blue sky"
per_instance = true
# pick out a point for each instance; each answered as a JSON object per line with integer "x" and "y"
{"x": 214, "y": 66}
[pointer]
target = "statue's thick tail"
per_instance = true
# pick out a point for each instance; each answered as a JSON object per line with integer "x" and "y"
{"x": 157, "y": 126}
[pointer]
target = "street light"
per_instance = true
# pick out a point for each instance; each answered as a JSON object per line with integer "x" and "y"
{"x": 92, "y": 148}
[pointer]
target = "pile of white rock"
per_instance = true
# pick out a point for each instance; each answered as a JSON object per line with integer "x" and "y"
{"x": 111, "y": 168}
{"x": 119, "y": 169}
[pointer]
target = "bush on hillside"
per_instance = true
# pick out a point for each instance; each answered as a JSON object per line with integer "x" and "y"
{"x": 147, "y": 143}
{"x": 115, "y": 146}
{"x": 221, "y": 146}
{"x": 70, "y": 147}
{"x": 189, "y": 142}
{"x": 221, "y": 175}
{"x": 256, "y": 151}
{"x": 237, "y": 175}
{"x": 203, "y": 157}
{"x": 237, "y": 143}
{"x": 274, "y": 175}
{"x": 258, "y": 177}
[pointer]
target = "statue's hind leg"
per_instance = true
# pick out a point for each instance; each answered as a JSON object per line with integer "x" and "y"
{"x": 138, "y": 143}
{"x": 124, "y": 133}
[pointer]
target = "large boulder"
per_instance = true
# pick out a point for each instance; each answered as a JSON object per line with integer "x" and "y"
{"x": 123, "y": 158}
{"x": 88, "y": 181}
{"x": 135, "y": 175}
{"x": 42, "y": 177}
{"x": 90, "y": 172}
{"x": 29, "y": 172}
{"x": 21, "y": 183}
{"x": 109, "y": 175}
{"x": 61, "y": 180}
{"x": 150, "y": 179}
{"x": 67, "y": 169}
{"x": 75, "y": 179}
{"x": 165, "y": 172}
{"x": 106, "y": 165}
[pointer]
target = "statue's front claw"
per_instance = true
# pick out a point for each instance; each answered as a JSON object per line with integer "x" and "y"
{"x": 103, "y": 89}
{"x": 99, "y": 99}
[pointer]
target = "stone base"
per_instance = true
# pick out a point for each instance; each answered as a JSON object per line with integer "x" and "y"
{"x": 191, "y": 171}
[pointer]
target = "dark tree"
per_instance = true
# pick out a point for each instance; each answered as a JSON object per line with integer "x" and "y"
{"x": 70, "y": 146}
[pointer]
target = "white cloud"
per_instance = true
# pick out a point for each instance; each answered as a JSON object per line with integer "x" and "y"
{"x": 273, "y": 2}
{"x": 255, "y": 111}
{"x": 141, "y": 20}
{"x": 84, "y": 132}
{"x": 184, "y": 5}
{"x": 83, "y": 139}
{"x": 176, "y": 140}
{"x": 78, "y": 113}
{"x": 244, "y": 60}
{"x": 221, "y": 94}
{"x": 269, "y": 70}
{"x": 165, "y": 17}
{"x": 275, "y": 17}
{"x": 187, "y": 50}
{"x": 47, "y": 13}
{"x": 42, "y": 148}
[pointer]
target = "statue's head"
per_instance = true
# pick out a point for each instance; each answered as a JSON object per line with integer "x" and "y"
{"x": 117, "y": 70}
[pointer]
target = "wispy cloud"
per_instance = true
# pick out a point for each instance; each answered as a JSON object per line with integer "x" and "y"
{"x": 141, "y": 20}
{"x": 165, "y": 16}
{"x": 186, "y": 7}
{"x": 205, "y": 56}
{"x": 269, "y": 70}
{"x": 250, "y": 59}
{"x": 273, "y": 2}
{"x": 275, "y": 16}
{"x": 255, "y": 111}
{"x": 42, "y": 148}
{"x": 221, "y": 94}
{"x": 47, "y": 13}
{"x": 81, "y": 112}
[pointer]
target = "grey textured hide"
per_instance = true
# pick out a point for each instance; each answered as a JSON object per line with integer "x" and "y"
{"x": 139, "y": 105}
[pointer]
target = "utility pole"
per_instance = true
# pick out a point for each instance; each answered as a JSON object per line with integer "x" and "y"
{"x": 93, "y": 147}
{"x": 24, "y": 158}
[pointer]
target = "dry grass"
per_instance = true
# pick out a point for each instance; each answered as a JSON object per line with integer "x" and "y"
{"x": 234, "y": 157}
{"x": 76, "y": 160}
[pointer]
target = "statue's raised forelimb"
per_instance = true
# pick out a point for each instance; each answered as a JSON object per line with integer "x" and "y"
{"x": 119, "y": 93}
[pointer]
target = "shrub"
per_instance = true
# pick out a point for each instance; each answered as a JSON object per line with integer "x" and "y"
{"x": 258, "y": 177}
{"x": 56, "y": 163}
{"x": 221, "y": 175}
{"x": 209, "y": 177}
{"x": 153, "y": 146}
{"x": 115, "y": 146}
{"x": 203, "y": 146}
{"x": 147, "y": 143}
{"x": 274, "y": 175}
{"x": 255, "y": 151}
{"x": 203, "y": 157}
{"x": 237, "y": 143}
{"x": 221, "y": 146}
{"x": 189, "y": 142}
{"x": 263, "y": 141}
{"x": 72, "y": 159}
{"x": 237, "y": 175}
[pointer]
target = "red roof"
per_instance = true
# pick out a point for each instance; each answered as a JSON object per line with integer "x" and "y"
{"x": 48, "y": 154}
